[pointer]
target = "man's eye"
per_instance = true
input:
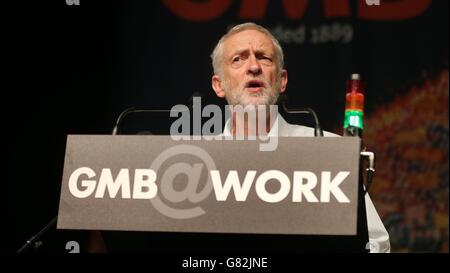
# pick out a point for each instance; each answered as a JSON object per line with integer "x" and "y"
{"x": 265, "y": 60}
{"x": 236, "y": 59}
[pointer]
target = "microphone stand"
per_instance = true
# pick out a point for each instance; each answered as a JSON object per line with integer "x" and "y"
{"x": 317, "y": 129}
{"x": 116, "y": 129}
{"x": 34, "y": 239}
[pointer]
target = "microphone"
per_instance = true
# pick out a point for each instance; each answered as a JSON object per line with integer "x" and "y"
{"x": 116, "y": 129}
{"x": 317, "y": 129}
{"x": 34, "y": 240}
{"x": 124, "y": 113}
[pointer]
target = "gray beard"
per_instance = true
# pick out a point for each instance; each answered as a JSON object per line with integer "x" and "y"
{"x": 239, "y": 96}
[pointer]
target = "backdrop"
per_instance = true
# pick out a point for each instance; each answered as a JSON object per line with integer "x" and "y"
{"x": 76, "y": 67}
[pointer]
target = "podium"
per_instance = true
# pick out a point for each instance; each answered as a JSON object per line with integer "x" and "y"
{"x": 155, "y": 194}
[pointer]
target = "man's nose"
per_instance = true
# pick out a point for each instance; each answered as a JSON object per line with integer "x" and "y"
{"x": 253, "y": 65}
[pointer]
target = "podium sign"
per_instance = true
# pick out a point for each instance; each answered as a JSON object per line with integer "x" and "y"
{"x": 306, "y": 186}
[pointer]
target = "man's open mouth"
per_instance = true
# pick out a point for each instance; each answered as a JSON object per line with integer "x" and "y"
{"x": 254, "y": 86}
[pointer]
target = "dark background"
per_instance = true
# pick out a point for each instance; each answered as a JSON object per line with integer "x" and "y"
{"x": 75, "y": 68}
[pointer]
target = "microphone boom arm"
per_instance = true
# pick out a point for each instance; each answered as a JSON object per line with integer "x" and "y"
{"x": 317, "y": 130}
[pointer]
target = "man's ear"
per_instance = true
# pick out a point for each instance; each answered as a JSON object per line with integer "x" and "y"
{"x": 284, "y": 80}
{"x": 216, "y": 83}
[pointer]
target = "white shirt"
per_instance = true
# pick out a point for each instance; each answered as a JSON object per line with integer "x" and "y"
{"x": 378, "y": 235}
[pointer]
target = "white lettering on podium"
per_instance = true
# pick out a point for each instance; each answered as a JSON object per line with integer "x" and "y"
{"x": 260, "y": 186}
{"x": 144, "y": 183}
{"x": 144, "y": 187}
{"x": 106, "y": 181}
{"x": 232, "y": 182}
{"x": 304, "y": 189}
{"x": 332, "y": 186}
{"x": 89, "y": 185}
{"x": 144, "y": 179}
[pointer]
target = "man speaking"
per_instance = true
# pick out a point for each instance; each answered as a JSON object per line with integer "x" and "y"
{"x": 248, "y": 71}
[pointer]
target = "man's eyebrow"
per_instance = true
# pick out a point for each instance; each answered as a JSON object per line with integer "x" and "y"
{"x": 239, "y": 51}
{"x": 244, "y": 50}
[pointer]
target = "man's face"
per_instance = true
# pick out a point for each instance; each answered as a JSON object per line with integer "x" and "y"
{"x": 250, "y": 73}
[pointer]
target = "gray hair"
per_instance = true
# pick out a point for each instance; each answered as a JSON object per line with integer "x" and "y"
{"x": 217, "y": 54}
